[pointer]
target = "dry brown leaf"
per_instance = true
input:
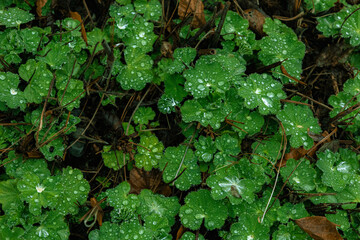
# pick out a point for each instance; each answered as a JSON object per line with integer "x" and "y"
{"x": 141, "y": 179}
{"x": 76, "y": 16}
{"x": 195, "y": 7}
{"x": 180, "y": 232}
{"x": 166, "y": 49}
{"x": 256, "y": 20}
{"x": 39, "y": 5}
{"x": 319, "y": 228}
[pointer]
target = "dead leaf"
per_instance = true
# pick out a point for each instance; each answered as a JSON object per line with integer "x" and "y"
{"x": 39, "y": 5}
{"x": 76, "y": 16}
{"x": 180, "y": 232}
{"x": 195, "y": 7}
{"x": 319, "y": 228}
{"x": 256, "y": 20}
{"x": 283, "y": 70}
{"x": 141, "y": 179}
{"x": 166, "y": 49}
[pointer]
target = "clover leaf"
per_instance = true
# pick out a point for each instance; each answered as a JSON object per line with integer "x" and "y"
{"x": 338, "y": 168}
{"x": 50, "y": 226}
{"x": 143, "y": 115}
{"x": 297, "y": 120}
{"x": 291, "y": 211}
{"x": 151, "y": 9}
{"x": 36, "y": 192}
{"x": 201, "y": 206}
{"x": 303, "y": 177}
{"x": 9, "y": 91}
{"x": 174, "y": 93}
{"x": 70, "y": 90}
{"x": 114, "y": 159}
{"x": 205, "y": 148}
{"x": 56, "y": 55}
{"x": 281, "y": 44}
{"x": 182, "y": 57}
{"x": 248, "y": 227}
{"x": 227, "y": 149}
{"x": 180, "y": 162}
{"x": 228, "y": 182}
{"x": 139, "y": 35}
{"x": 124, "y": 204}
{"x": 137, "y": 71}
{"x": 191, "y": 236}
{"x": 213, "y": 73}
{"x": 262, "y": 91}
{"x": 206, "y": 111}
{"x": 319, "y": 6}
{"x": 149, "y": 152}
{"x": 339, "y": 218}
{"x": 108, "y": 231}
{"x": 155, "y": 208}
{"x": 290, "y": 231}
{"x": 13, "y": 17}
{"x": 242, "y": 120}
{"x": 127, "y": 230}
{"x": 10, "y": 201}
{"x": 38, "y": 85}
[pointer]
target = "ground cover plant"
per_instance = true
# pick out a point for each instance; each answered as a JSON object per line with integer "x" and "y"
{"x": 189, "y": 119}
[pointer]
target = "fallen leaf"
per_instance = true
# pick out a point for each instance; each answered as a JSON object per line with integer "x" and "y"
{"x": 256, "y": 20}
{"x": 141, "y": 179}
{"x": 39, "y": 5}
{"x": 180, "y": 232}
{"x": 195, "y": 7}
{"x": 166, "y": 49}
{"x": 76, "y": 16}
{"x": 319, "y": 228}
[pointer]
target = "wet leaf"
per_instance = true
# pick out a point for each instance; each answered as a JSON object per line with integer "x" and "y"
{"x": 194, "y": 7}
{"x": 319, "y": 228}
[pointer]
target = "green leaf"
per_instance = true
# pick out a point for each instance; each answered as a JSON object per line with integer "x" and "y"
{"x": 269, "y": 148}
{"x": 182, "y": 58}
{"x": 108, "y": 231}
{"x": 155, "y": 208}
{"x": 242, "y": 120}
{"x": 248, "y": 227}
{"x": 38, "y": 87}
{"x": 27, "y": 70}
{"x": 53, "y": 149}
{"x": 13, "y": 17}
{"x": 281, "y": 44}
{"x": 213, "y": 73}
{"x": 227, "y": 147}
{"x": 149, "y": 153}
{"x": 320, "y": 5}
{"x": 290, "y": 231}
{"x": 70, "y": 90}
{"x": 137, "y": 71}
{"x": 191, "y": 236}
{"x": 151, "y": 9}
{"x": 51, "y": 226}
{"x": 201, "y": 206}
{"x": 139, "y": 35}
{"x": 56, "y": 55}
{"x": 37, "y": 193}
{"x": 297, "y": 120}
{"x": 261, "y": 90}
{"x": 351, "y": 28}
{"x": 143, "y": 115}
{"x": 303, "y": 177}
{"x": 114, "y": 159}
{"x": 234, "y": 25}
{"x": 204, "y": 111}
{"x": 74, "y": 189}
{"x": 124, "y": 204}
{"x": 339, "y": 218}
{"x": 31, "y": 38}
{"x": 229, "y": 182}
{"x": 180, "y": 161}
{"x": 10, "y": 233}
{"x": 9, "y": 91}
{"x": 205, "y": 148}
{"x": 10, "y": 201}
{"x": 291, "y": 211}
{"x": 338, "y": 168}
